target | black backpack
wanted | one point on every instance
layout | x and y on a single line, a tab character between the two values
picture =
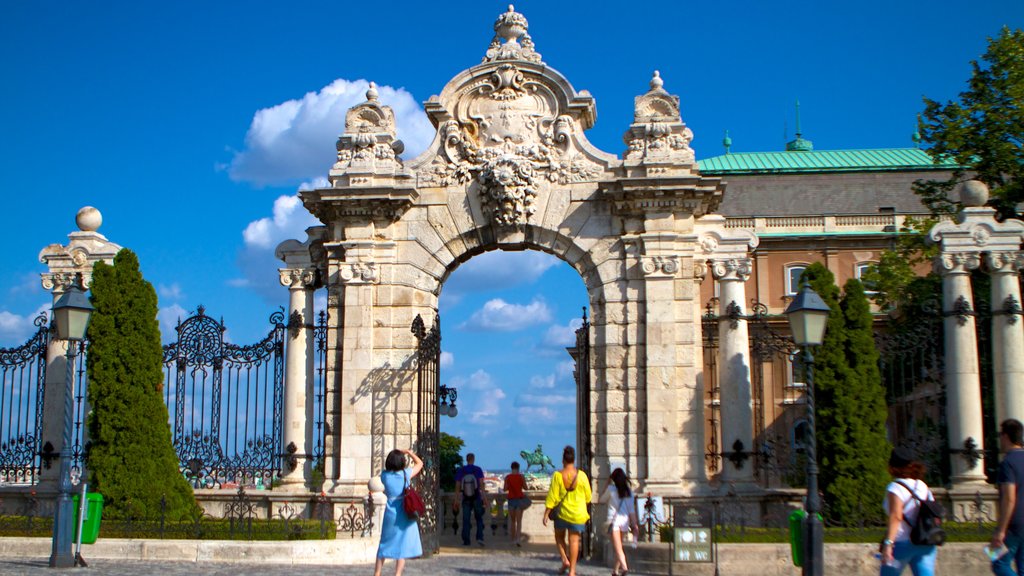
927	528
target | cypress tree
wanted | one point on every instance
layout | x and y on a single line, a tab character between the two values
861	484
831	374
130	458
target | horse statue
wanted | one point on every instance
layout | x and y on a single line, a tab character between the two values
536	458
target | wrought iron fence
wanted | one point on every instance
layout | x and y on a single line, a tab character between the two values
22	386
241	520
319	390
225	403
777	401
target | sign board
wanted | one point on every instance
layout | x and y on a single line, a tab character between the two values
693	534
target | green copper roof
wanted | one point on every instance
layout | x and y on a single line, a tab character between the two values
880	160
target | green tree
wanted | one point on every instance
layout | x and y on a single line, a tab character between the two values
983	130
865	474
130	458
450	458
849	404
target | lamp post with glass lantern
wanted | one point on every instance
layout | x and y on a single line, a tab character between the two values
71	315
808	315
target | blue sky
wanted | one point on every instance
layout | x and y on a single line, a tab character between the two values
191	125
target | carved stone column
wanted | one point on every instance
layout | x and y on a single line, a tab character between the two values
1007	334
69	265
961	376
962	242
734	369
298	445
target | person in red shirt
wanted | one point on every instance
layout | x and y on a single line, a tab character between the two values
517	502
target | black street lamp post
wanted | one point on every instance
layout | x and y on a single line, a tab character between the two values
71	314
808	315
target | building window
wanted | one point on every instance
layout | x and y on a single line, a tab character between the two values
796	380
859	272
793	278
798	436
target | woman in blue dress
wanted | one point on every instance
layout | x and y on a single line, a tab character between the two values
399	534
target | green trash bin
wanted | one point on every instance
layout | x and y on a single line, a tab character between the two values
796	535
93	513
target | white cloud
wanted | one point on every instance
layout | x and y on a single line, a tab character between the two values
256	260
498	315
562	336
542	381
295	139
172	292
564	370
524	400
533	409
447	359
533	415
15	329
290	220
168	316
483	396
496	270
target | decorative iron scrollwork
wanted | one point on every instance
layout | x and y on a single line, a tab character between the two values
48	455
970	453
291	459
1011	308
734	313
738	456
294	324
962	310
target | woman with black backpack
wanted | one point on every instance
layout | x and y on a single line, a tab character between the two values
905	539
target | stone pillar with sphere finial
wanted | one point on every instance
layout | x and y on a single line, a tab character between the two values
68	265
975	235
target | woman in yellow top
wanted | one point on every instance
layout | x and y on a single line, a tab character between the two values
570	493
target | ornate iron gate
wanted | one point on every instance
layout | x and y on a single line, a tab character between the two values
22	383
428	427
777	401
225	402
584	448
911	363
319	393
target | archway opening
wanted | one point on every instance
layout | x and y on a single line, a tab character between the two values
509	321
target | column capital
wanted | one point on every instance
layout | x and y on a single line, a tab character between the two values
359	272
1005	262
298	278
58	282
957	262
660	266
732	269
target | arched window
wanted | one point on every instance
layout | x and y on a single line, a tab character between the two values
859	272
798	436
793	272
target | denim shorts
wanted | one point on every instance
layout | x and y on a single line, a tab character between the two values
563	525
518	503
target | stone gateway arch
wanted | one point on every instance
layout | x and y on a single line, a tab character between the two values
510	168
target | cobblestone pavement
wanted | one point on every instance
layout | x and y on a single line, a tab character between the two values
483	563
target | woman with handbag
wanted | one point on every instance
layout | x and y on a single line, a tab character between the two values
902	505
399	534
621	517
566	505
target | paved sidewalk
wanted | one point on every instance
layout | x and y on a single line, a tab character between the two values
502	563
